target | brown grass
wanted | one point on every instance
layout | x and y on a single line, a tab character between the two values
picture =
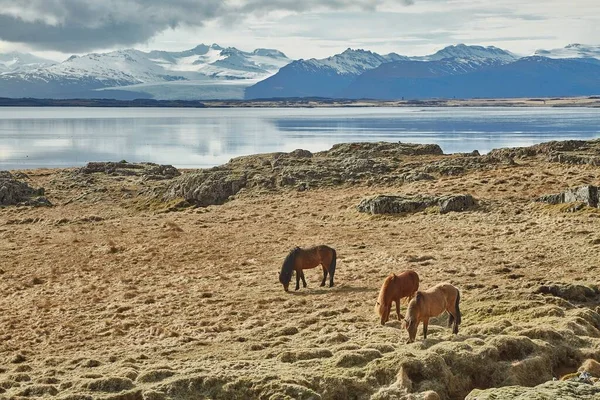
190	300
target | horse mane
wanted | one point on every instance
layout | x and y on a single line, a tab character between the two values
285	276
380	306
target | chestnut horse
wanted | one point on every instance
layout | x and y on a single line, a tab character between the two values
299	259
394	288
431	303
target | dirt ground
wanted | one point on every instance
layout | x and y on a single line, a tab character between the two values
105	295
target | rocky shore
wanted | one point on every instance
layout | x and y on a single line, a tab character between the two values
140	281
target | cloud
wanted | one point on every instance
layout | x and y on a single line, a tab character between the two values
85	25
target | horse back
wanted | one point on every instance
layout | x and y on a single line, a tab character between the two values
313	256
407	283
443	294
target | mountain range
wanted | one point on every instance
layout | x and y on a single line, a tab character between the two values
214	72
202	72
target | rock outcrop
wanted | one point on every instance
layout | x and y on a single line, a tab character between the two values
16	192
566	152
209	187
386	204
148	171
583	194
343	164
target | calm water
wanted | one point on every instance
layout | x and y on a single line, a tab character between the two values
57	137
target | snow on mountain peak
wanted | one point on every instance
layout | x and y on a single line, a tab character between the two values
269	53
573	50
351	61
16	61
471	53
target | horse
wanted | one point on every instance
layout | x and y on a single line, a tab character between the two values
394	288
300	259
431	303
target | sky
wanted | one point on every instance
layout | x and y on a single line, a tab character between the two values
300	28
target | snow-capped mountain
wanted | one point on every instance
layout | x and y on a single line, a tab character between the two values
471	54
351	62
15	61
319	78
574	50
196	73
215	72
330	77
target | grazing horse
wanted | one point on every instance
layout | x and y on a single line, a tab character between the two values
394	288
431	303
299	259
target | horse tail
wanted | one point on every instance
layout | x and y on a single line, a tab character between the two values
285	276
333	262
458	315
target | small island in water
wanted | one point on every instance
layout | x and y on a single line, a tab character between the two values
175	275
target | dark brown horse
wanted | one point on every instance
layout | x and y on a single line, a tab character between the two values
431	303
300	259
394	288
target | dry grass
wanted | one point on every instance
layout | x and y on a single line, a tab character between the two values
187	304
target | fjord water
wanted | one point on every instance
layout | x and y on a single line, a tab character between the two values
195	138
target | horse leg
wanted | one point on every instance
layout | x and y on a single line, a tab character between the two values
324	276
386	313
331	273
452	320
303	280
425	323
400	317
298	273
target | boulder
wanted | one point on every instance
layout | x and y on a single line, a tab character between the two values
387	204
207	187
300	153
459	202
583	194
16	192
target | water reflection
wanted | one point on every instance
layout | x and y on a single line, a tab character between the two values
52	137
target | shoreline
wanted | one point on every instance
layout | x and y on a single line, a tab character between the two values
588	101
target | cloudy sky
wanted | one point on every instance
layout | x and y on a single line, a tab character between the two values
300	28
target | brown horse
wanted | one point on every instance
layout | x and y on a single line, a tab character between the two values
431	303
299	259
394	288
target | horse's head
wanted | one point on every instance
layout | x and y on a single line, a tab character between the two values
411	322
285	276
411	326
